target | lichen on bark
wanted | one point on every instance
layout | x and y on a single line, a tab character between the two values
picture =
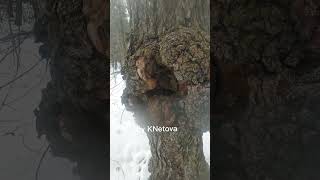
167	83
178	62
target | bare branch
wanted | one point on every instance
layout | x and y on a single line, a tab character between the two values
21	75
40	162
9	37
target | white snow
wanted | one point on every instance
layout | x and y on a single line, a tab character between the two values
206	146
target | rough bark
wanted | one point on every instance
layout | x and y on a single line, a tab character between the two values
73	111
167	83
266	110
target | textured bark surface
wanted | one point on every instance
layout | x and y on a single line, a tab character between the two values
168	82
177	97
266	109
73	111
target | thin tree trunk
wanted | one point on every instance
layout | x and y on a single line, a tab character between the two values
18	20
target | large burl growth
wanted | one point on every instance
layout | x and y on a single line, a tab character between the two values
168	85
167	74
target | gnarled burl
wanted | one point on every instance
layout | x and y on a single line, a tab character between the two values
168	85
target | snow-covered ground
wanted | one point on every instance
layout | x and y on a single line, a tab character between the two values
130	150
21	151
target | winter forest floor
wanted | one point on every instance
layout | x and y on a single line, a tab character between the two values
20	149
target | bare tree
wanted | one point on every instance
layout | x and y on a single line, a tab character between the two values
167	74
119	28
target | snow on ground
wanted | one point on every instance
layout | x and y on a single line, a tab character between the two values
206	146
20	153
130	150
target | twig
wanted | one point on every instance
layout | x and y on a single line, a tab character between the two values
26	92
116	85
9	106
122	115
27	146
18	77
6	121
11	51
4	100
116	72
40	162
12	132
124	177
14	35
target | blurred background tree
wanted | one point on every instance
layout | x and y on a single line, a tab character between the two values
119	29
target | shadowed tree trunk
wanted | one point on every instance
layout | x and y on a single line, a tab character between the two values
266	110
167	83
74	109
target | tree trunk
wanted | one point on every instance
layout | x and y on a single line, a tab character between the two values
73	110
167	83
266	110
